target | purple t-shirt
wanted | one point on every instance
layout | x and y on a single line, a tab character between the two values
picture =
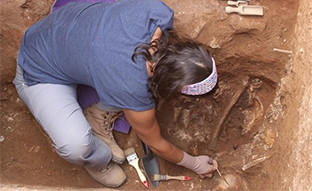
92	44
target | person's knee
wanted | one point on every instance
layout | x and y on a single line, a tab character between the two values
78	149
74	149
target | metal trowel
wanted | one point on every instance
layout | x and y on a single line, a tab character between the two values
150	164
244	9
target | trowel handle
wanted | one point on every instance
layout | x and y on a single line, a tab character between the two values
146	149
236	3
232	9
232	3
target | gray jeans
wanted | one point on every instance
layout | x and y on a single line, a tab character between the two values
56	109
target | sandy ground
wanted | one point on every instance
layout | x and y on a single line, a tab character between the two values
260	137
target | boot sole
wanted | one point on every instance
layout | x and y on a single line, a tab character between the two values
118	160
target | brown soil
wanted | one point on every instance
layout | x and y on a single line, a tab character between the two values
252	139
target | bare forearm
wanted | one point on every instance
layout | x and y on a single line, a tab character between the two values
147	128
166	150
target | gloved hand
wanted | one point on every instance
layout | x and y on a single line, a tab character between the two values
202	165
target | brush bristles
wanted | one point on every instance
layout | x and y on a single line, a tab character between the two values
157	177
129	151
130	154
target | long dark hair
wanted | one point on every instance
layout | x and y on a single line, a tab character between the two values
177	62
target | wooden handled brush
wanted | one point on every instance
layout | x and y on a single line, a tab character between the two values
157	177
133	160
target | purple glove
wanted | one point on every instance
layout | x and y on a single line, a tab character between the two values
202	165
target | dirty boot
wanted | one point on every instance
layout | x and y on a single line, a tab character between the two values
102	123
111	176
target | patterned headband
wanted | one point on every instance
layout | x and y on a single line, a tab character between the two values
204	86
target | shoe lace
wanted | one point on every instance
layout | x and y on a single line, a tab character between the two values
109	122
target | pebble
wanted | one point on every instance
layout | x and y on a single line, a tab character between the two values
301	50
1	139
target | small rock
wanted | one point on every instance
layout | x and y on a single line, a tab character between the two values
270	135
176	113
10	119
185	117
1	139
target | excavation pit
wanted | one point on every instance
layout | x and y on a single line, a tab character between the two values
262	104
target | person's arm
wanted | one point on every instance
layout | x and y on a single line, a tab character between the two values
147	128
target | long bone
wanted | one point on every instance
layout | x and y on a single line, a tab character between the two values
215	136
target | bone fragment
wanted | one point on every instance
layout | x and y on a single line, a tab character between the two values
236	96
254	162
282	51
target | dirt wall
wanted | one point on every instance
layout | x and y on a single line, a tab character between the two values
295	145
293	158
